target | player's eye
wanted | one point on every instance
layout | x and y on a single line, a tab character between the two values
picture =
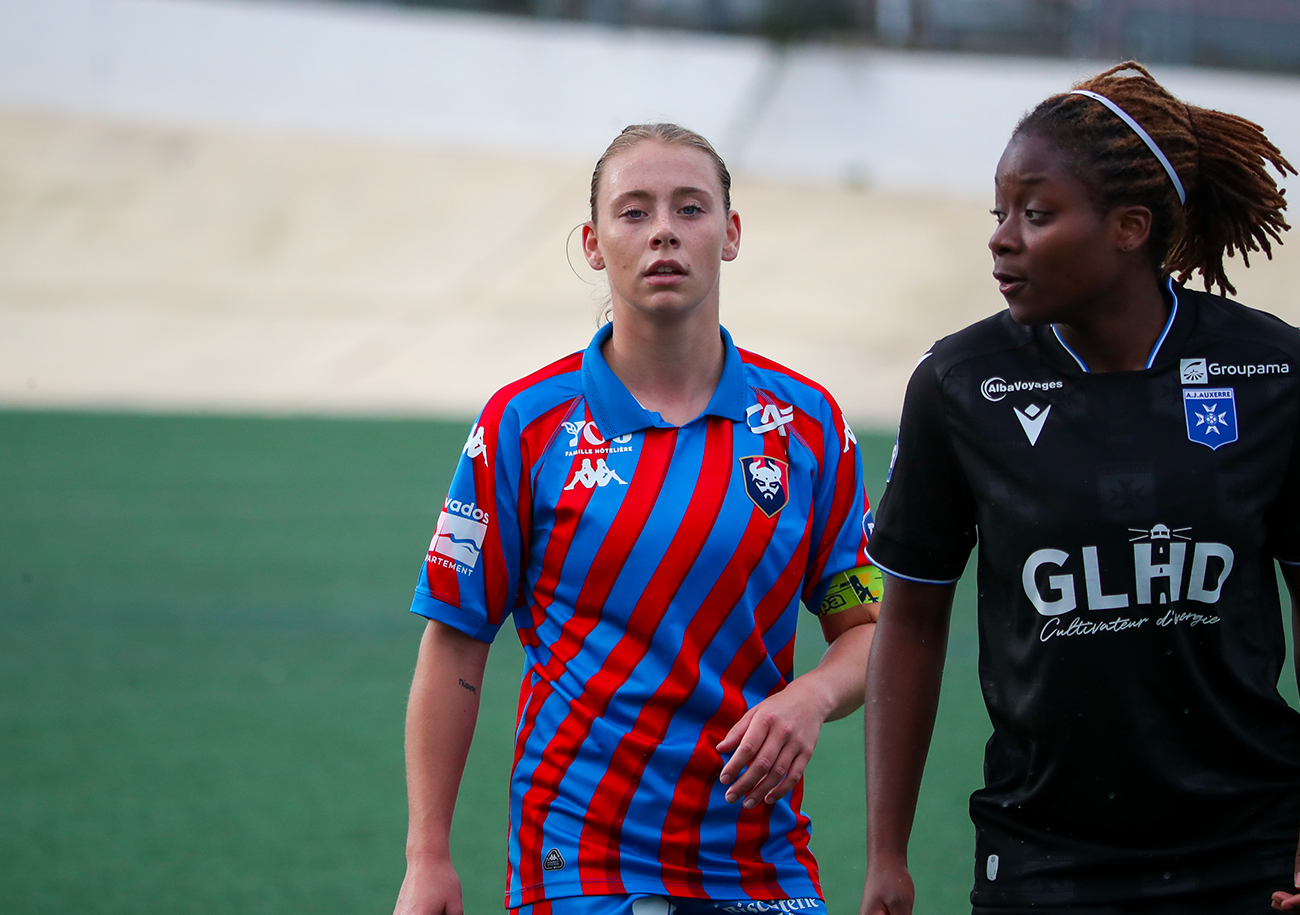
692	209
633	213
1035	215
999	215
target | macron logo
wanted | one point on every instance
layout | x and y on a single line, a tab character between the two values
1032	419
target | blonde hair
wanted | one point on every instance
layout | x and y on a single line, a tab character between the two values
673	134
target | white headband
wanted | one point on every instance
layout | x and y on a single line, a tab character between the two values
1146	138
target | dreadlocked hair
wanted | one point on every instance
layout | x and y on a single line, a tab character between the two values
1233	203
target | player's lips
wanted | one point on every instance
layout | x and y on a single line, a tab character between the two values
1008	283
665	273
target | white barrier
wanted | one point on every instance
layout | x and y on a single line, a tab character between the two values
881	118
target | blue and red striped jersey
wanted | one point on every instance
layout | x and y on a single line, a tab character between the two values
654	573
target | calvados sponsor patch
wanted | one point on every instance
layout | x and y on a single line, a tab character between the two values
1211	416
459	539
767	482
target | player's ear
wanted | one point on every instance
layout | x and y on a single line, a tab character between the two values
1132	227
591	246
731	247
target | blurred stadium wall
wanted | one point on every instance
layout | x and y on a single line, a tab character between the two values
353	208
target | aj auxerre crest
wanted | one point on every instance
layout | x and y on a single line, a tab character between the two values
1211	416
767	482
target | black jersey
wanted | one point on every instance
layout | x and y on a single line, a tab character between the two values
1130	630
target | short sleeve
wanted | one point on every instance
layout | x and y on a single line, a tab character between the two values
473	566
841	512
925	527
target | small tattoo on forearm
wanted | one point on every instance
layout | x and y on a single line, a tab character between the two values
469	686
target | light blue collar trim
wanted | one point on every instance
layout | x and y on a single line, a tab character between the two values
1173	313
1155	350
1083	365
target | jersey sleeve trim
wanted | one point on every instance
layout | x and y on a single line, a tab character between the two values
924	581
471	624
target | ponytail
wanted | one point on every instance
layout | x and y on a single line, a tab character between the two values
1233	203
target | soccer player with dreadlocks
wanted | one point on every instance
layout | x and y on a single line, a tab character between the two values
1125	451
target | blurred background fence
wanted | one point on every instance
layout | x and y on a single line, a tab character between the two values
341	207
1253	34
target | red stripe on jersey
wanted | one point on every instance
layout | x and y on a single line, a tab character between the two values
763	362
798	837
679	847
525	692
639	500
809	430
539	908
783	660
598	850
535	441
489	421
838	516
757	877
569	508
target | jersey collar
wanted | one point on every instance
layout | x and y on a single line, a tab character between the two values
617	412
1176	331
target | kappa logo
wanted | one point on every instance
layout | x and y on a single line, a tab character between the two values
767	482
459	539
553	861
1211	417
474	445
764	417
1032	419
849	438
601	475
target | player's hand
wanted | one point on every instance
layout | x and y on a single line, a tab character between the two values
1286	900
430	887
888	891
772	743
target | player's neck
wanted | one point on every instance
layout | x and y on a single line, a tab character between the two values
670	368
1118	335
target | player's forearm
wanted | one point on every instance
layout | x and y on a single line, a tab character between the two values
440	718
902	694
1291	575
839	678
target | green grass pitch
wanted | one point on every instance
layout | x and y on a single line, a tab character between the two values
204	663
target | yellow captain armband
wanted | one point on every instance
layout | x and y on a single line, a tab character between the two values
854	588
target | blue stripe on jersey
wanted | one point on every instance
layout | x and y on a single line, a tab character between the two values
624	685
